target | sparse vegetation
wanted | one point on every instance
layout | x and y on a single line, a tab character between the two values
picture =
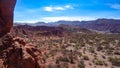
78	50
114	60
99	62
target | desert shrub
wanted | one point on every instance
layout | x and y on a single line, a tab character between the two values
105	64
110	58
71	58
82	44
63	59
118	43
99	62
105	42
103	56
49	66
91	49
64	65
56	66
53	66
90	64
81	64
73	66
90	42
114	60
57	61
85	57
117	53
52	52
109	52
73	41
77	47
99	48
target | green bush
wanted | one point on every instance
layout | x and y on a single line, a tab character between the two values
85	57
91	49
99	62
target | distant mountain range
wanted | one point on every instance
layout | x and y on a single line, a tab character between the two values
105	25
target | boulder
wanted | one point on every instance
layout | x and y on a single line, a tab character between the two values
15	53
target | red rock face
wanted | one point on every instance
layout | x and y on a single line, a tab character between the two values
15	53
6	15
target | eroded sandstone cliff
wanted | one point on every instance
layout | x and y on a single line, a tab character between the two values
14	52
6	15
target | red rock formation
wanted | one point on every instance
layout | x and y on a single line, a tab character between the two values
15	53
6	15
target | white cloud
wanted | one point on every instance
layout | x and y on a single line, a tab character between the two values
77	18
68	6
115	6
26	21
48	8
57	8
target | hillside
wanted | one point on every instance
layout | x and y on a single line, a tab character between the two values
105	25
73	47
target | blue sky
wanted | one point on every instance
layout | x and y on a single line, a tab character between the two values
53	10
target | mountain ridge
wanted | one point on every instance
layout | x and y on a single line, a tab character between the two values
105	25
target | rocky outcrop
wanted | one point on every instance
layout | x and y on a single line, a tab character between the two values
6	15
15	53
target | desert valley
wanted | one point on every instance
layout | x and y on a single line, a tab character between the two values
59	34
70	46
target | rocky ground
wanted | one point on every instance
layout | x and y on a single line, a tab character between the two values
76	49
82	51
16	53
55	47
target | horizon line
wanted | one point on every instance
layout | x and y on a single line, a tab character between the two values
63	20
